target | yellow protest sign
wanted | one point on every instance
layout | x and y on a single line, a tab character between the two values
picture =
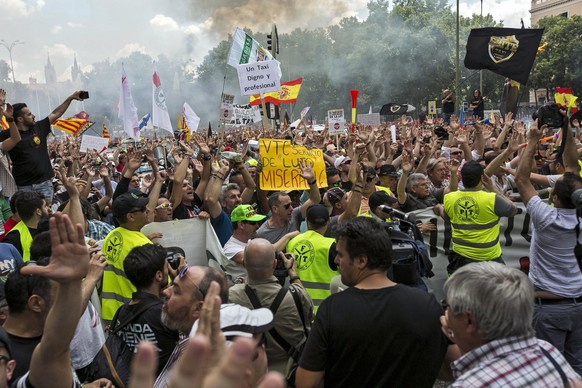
280	160
432	109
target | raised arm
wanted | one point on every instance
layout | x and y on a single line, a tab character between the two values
14	138
211	197
314	195
403	181
522	176
61	109
50	365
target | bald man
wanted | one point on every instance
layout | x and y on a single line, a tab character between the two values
260	261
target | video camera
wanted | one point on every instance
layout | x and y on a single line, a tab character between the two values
549	115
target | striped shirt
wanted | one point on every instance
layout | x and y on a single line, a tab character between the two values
511	362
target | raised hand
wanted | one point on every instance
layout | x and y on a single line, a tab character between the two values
306	170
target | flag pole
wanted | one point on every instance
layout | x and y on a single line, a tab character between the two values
263	107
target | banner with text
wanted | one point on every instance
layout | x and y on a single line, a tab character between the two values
226	106
372	119
93	143
280	160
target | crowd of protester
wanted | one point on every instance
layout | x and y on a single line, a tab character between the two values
308	294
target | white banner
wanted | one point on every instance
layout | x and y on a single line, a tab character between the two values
89	142
259	77
245	114
203	250
514	237
190	117
127	109
369	119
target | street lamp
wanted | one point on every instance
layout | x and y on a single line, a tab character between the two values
9	47
481	71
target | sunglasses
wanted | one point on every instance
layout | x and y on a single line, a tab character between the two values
182	275
370	178
287	206
252	222
456	153
164	206
539	157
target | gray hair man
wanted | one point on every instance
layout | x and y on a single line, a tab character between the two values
489	314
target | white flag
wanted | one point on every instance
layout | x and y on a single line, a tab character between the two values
304	112
245	49
160	115
192	120
127	109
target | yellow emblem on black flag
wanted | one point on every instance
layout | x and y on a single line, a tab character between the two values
502	48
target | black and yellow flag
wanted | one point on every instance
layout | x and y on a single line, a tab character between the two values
506	51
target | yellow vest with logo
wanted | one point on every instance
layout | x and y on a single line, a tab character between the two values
117	289
311	251
25	239
475	224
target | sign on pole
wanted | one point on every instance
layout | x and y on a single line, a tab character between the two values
226	107
336	120
260	77
432	109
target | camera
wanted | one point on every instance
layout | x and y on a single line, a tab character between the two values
549	115
280	270
83	95
173	256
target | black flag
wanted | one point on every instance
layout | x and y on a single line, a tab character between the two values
209	130
506	51
393	109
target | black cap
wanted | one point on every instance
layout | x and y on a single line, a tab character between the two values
5	341
370	171
317	215
387	170
380	198
335	194
126	202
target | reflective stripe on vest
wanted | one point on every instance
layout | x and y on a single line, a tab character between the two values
25	239
311	251
117	289
475	224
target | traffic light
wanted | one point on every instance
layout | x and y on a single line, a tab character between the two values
273	41
270	42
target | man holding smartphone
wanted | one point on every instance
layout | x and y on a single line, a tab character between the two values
31	166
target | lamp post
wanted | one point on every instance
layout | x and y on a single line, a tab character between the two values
481	71
9	47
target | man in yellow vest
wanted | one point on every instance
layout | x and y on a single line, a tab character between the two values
131	211
315	255
31	207
474	216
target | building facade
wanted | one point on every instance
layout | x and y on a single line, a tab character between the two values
543	8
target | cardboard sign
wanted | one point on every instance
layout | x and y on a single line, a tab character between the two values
369	119
260	77
281	170
226	106
93	143
336	121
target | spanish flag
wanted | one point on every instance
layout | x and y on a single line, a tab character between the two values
565	99
287	95
105	132
4	123
72	126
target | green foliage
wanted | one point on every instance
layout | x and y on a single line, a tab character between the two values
560	63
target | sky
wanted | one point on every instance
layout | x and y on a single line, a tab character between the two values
95	30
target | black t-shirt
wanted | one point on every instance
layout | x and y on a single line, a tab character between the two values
389	337
183	212
30	159
449	106
22	349
148	326
13	237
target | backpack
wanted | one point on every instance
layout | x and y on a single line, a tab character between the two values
114	359
293	352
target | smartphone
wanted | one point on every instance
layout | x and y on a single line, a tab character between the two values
84	95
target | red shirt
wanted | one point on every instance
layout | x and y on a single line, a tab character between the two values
8	225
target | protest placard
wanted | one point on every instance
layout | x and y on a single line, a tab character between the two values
336	120
260	77
280	160
93	143
226	106
372	119
432	109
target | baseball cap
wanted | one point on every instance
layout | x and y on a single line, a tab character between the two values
379	198
341	160
387	170
317	215
335	194
5	341
126	202
371	171
251	162
245	213
240	321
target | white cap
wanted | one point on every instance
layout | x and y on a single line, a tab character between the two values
239	321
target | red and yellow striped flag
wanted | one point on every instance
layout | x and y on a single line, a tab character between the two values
287	95
566	99
105	132
72	126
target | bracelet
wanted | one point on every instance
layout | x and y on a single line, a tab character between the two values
217	176
293	278
312	182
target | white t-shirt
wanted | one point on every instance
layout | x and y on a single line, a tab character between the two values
231	248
